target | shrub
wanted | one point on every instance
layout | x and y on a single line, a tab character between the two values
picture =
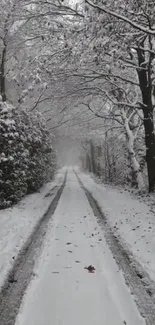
27	159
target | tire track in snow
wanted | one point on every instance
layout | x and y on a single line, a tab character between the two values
124	260
20	275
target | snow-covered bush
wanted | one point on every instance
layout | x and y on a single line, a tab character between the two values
27	159
42	162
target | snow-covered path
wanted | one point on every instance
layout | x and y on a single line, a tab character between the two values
63	292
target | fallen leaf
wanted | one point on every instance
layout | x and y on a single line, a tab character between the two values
90	268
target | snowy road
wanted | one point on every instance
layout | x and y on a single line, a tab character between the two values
63	292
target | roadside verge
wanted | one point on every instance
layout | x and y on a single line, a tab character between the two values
17	223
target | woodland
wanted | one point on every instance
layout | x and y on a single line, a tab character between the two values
77	86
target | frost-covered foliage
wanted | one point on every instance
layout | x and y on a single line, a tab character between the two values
108	160
107	156
27	159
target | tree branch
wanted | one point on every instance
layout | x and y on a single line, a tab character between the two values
123	18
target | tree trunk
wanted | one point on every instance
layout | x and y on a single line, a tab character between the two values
88	163
150	147
98	168
2	75
136	173
92	153
145	83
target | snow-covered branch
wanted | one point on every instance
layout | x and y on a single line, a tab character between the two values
123	18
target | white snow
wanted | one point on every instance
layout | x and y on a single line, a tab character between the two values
130	218
62	291
17	223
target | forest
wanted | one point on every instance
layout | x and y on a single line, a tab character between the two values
77	86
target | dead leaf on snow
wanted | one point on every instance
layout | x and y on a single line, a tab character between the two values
90	268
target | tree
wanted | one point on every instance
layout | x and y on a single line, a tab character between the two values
120	54
138	42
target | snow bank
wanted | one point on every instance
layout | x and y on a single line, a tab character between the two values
17	223
130	218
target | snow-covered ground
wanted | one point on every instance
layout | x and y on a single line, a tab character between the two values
130	218
63	291
17	223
